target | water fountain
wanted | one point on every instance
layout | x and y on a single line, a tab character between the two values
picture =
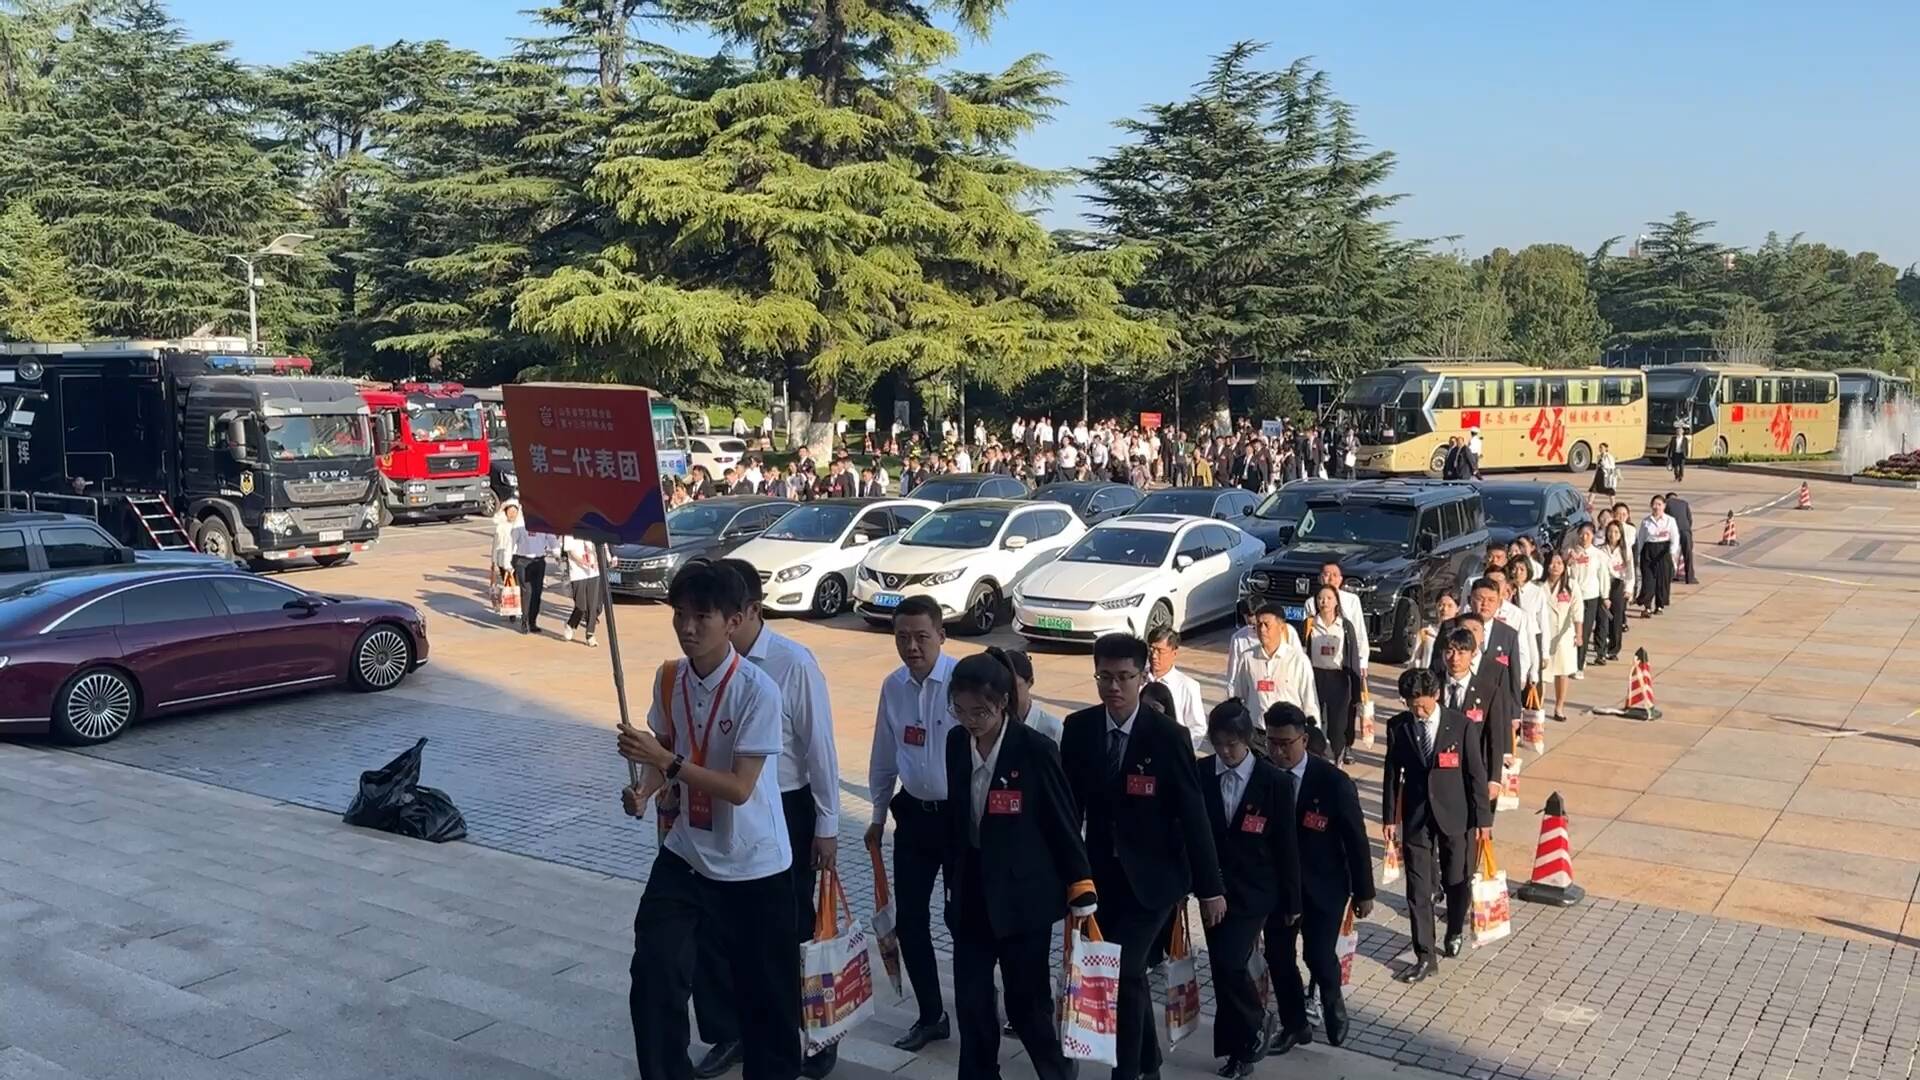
1889	450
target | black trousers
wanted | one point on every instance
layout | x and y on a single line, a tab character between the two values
919	849
1590	623
715	1009
586	604
752	921
1136	929
1656	570
1679	466
1686	556
1617	620
533	581
1336	708
1025	964
1236	1025
1316	935
1422	874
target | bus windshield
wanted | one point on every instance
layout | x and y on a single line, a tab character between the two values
1857	386
1372	391
1676	395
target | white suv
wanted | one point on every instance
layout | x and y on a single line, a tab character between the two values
717	453
968	555
806	559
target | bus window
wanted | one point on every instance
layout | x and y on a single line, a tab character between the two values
1740	391
1479	393
1449	395
1524	393
1557	390
1583	391
1617	390
1827	390
1765	386
1806	391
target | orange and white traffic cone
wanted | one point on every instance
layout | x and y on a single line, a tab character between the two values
1729	536
1553	861
1640	704
1806	497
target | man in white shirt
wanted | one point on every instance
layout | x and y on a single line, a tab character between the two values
962	461
1276	671
1350	610
753	476
909	748
721	878
979	433
809	772
1044	431
530	551
739	426
1069	456
1080	433
1163	653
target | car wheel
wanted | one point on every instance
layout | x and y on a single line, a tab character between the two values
1579	457
331	560
830	597
1160	616
94	706
1399	645
213	537
381	658
489	503
1720	447
1799	445
1437	464
983	610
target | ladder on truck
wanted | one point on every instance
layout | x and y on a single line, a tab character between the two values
158	522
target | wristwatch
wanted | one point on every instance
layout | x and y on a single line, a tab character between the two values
673	770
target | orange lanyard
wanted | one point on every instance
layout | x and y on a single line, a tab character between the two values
699	745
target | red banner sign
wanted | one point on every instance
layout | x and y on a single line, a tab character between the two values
585	457
1150	420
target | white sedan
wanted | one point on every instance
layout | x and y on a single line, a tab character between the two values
969	555
1135	573
806	559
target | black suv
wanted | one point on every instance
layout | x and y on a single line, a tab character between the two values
1546	510
1400	544
946	487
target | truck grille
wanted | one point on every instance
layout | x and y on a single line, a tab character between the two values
327	491
320	519
449	464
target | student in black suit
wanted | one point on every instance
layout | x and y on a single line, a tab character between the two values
1682	516
1502	663
1436	777
1250	805
1492	713
1336	868
1014	853
1131	769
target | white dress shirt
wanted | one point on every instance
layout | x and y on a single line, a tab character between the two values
1245	642
1189	709
919	762
1233	783
1659	530
1327	644
807	754
1591	571
983	772
749	841
1044	722
1350	610
1524	629
1285	676
1457	689
1299	773
532	545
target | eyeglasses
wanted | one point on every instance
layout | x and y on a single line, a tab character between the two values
1286	740
972	716
1115	678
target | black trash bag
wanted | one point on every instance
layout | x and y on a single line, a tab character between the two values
392	799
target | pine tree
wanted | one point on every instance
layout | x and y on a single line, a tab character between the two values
1673	293
142	163
836	213
38	301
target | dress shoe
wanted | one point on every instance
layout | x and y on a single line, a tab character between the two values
922	1033
1285	1040
819	1065
1234	1068
1422	969
719	1059
1454	943
1269	1024
1337	1023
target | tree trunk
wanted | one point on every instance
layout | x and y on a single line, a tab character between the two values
811	403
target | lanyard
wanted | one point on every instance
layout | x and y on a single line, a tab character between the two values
699	744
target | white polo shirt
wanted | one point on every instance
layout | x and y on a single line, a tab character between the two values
745	842
1264	681
807	754
910	737
1188	707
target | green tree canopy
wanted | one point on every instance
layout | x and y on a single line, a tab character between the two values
38	300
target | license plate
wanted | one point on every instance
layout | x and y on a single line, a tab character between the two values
886	599
613	577
453	496
1294	614
332	536
1053	622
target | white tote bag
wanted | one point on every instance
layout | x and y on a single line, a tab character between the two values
836	972
1090	1008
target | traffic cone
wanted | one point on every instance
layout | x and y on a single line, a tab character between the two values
1640	704
1806	497
1729	536
1553	861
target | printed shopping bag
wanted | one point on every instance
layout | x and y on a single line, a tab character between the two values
1533	722
1347	946
1090	1008
1366	718
1257	968
836	974
1510	785
883	922
1183	984
506	596
1492	915
1390	860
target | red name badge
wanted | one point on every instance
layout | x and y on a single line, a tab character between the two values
1315	820
1253	823
916	736
699	809
1139	784
1449	759
1265	686
1476	715
1003	802
1326	650
1505	660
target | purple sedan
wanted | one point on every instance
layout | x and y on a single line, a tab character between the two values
84	655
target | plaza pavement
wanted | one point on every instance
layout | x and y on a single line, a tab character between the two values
1751	856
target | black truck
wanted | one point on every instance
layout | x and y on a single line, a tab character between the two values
171	444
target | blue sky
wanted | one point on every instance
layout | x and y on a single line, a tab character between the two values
1513	122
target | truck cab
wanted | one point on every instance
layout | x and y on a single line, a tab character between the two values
247	457
433	451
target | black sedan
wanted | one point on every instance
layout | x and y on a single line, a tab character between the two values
1547	510
1274	521
708	529
1091	501
1226	504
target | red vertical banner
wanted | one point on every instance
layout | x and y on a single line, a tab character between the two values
585	456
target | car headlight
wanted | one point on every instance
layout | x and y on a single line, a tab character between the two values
867	574
658	562
416	488
371	514
1359	585
512	479
793	573
1258	581
943	577
277	521
1123	602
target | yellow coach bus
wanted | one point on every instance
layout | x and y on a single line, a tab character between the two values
1527	417
1736	409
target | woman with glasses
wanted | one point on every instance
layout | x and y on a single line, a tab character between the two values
1016	865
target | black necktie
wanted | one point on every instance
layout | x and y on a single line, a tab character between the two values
1453	697
1116	749
1426	741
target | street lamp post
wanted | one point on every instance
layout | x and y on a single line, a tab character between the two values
284	244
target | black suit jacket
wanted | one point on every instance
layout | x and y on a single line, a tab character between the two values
1258	851
1030	849
1501	661
1451	800
1682	516
1336	863
1491	712
1150	834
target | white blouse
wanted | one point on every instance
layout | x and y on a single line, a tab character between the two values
1326	649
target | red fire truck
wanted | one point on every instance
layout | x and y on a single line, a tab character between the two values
433	451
